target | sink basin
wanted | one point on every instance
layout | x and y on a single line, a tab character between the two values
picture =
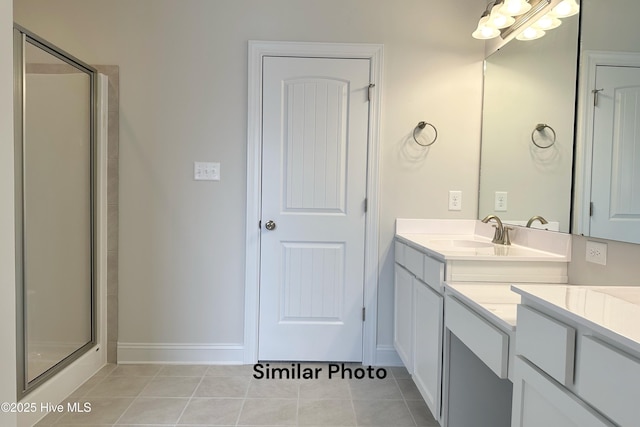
455	243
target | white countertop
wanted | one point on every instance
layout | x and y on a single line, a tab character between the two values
471	240
495	301
613	311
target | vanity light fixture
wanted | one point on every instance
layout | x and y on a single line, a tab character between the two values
485	31
530	33
566	8
515	7
506	17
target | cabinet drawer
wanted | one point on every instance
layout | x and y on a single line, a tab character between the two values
485	340
433	273
546	343
399	252
609	380
414	262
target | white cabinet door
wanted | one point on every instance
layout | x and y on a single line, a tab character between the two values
539	401
427	370
403	316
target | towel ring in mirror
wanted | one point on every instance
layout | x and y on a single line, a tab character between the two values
421	126
540	129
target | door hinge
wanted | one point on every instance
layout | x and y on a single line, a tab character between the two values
590	208
366	205
371	86
363	310
595	96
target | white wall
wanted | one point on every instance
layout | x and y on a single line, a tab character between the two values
7	223
183	92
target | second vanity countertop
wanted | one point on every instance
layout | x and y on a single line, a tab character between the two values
613	311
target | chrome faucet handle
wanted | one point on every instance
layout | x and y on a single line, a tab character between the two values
506	240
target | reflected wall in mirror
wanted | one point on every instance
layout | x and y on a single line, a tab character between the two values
54	166
607	196
527	84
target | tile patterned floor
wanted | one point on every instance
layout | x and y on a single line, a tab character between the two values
187	395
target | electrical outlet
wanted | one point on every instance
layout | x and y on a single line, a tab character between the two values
500	201
596	252
206	171
455	200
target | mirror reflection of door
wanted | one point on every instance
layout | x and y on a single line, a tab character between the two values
615	173
57	211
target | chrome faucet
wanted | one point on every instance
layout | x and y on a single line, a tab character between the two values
498	235
536	218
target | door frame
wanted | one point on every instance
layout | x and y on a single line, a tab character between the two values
584	130
258	50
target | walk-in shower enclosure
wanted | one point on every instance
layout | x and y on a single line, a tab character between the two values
55	155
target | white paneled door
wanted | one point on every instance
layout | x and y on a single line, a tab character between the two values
314	144
615	179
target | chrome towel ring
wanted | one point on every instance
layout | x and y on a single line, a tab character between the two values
540	127
421	126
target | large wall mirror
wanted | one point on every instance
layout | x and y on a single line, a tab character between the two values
528	129
607	194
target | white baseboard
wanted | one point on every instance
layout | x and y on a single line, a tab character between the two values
386	355
171	353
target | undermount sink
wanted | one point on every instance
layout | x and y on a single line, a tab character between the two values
456	243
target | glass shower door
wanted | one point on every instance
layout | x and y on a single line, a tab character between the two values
57	221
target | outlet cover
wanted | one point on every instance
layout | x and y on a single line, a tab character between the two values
500	201
596	252
455	200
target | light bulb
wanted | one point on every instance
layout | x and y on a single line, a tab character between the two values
485	31
530	33
515	7
547	22
498	19
566	8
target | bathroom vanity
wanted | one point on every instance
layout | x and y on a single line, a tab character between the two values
577	356
434	312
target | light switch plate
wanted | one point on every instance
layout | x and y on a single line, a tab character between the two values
206	171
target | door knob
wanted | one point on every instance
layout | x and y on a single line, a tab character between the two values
270	225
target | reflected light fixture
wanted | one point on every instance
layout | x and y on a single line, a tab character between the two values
566	8
547	22
485	31
514	7
530	33
504	17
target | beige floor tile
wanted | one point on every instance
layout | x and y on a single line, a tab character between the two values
399	372
326	412
137	370
421	414
223	387
269	412
183	370
119	387
230	371
374	389
325	389
274	388
408	389
154	410
383	413
170	387
211	411
104	410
